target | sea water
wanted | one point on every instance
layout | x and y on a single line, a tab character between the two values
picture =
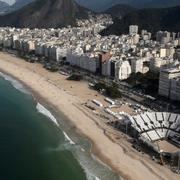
34	145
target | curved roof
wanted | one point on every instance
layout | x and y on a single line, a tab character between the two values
157	125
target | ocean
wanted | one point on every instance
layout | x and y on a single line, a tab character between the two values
34	145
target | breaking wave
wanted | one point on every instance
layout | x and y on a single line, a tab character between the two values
16	84
41	109
67	138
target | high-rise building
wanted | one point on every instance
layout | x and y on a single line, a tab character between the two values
137	65
159	36
178	35
136	39
173	36
133	29
104	58
162	52
177	54
169	83
163	37
123	70
175	89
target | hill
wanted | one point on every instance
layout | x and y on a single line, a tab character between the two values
152	20
120	10
45	14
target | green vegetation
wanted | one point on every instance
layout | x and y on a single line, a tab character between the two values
111	91
45	14
75	77
152	20
51	67
120	10
149	82
99	86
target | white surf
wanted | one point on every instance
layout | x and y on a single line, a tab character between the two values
41	109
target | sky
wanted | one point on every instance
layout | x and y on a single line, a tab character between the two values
9	1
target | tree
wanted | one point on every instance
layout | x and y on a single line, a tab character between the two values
75	77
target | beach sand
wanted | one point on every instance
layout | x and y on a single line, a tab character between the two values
67	97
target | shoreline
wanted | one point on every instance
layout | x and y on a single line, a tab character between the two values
58	113
61	101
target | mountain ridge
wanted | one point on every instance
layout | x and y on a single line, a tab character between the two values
153	20
119	10
45	14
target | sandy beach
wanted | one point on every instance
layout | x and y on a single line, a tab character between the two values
67	97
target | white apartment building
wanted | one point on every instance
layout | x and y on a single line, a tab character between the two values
27	45
84	61
169	82
137	65
39	48
133	29
116	68
7	42
163	37
162	52
123	70
166	52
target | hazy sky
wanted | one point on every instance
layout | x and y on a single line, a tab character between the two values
9	1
